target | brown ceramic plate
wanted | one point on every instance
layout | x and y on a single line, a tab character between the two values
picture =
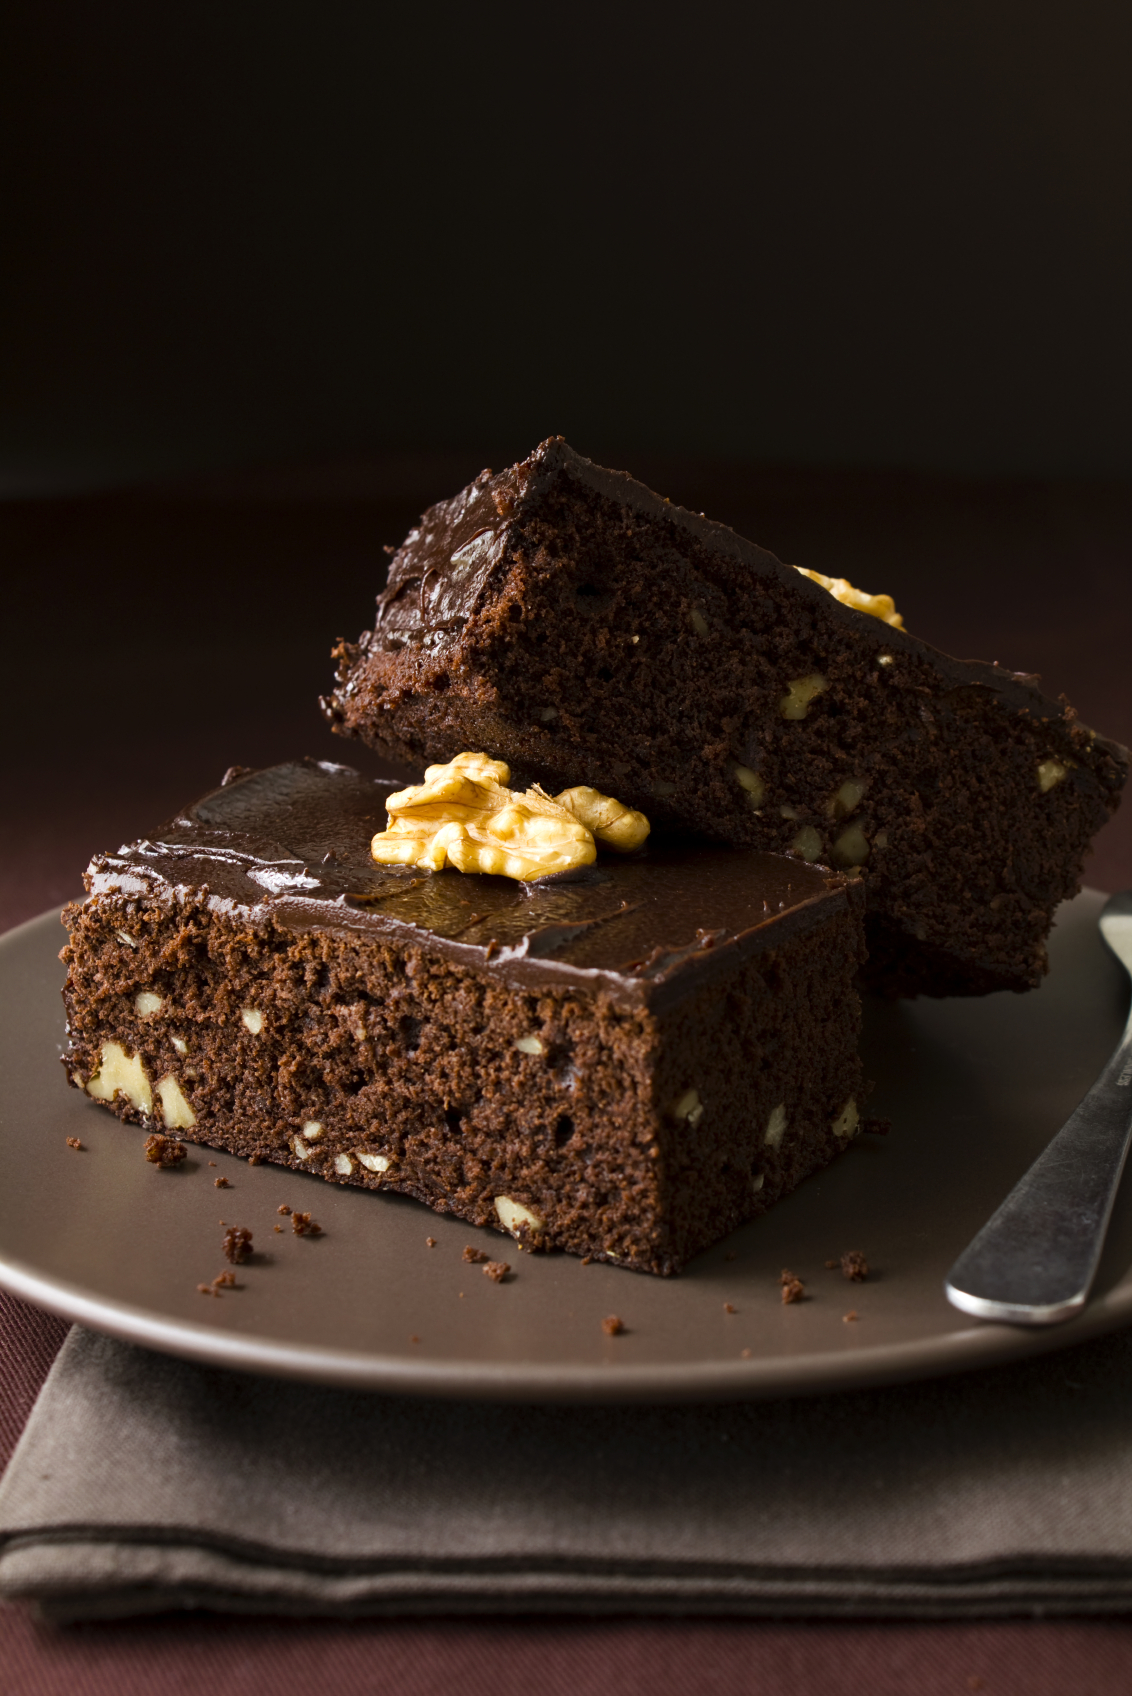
974	1090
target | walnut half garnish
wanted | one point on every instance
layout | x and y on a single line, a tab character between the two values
610	821
462	815
877	606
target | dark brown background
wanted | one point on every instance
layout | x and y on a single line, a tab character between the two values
876	234
379	247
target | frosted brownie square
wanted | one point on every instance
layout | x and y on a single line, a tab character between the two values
626	1066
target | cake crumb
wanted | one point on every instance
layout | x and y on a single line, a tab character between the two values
497	1270
224	1281
276	1227
430	1242
237	1244
832	1265
793	1288
848	1318
744	1354
207	1290
73	1142
474	1256
212	1163
727	1308
164	1151
283	1209
612	1326
587	1260
414	1339
255	1159
855	1266
304	1226
222	1183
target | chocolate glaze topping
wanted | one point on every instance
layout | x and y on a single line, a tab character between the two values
291	844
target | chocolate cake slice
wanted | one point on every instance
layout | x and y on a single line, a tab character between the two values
572	623
627	1066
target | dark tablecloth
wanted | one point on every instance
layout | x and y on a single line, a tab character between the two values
159	637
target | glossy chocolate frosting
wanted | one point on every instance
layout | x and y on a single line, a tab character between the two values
291	844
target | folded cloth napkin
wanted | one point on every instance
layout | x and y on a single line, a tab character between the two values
143	1482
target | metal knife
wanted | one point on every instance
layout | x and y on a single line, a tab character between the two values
1034	1261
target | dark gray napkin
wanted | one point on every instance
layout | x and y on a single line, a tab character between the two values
143	1482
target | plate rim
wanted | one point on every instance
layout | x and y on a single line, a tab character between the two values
967	1350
